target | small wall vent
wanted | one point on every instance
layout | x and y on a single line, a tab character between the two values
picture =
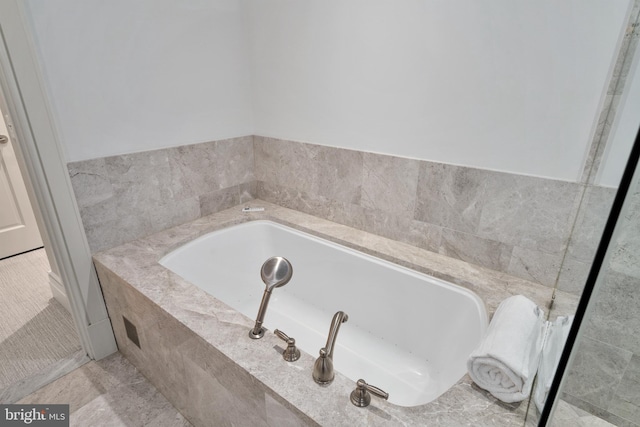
132	332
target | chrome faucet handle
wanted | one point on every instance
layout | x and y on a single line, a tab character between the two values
291	353
361	396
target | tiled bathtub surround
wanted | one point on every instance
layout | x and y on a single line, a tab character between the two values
125	197
511	223
197	352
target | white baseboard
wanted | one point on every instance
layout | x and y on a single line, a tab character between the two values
57	289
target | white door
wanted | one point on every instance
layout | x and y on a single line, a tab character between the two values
18	228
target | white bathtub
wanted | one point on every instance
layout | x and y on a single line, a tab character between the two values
407	333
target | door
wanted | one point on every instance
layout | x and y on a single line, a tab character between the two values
18	229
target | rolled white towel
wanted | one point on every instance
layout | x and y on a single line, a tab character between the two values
506	361
557	333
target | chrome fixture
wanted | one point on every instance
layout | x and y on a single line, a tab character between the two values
275	272
291	353
323	369
361	396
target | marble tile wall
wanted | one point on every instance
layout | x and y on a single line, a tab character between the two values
125	197
516	224
206	387
604	378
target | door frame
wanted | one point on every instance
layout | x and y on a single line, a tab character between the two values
36	143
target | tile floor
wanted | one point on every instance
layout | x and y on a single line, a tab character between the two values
567	415
109	392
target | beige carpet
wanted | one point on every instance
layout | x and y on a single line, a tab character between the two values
35	330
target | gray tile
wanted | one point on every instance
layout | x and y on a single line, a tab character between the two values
476	250
423	235
374	221
295	199
141	178
283	163
279	415
248	191
99	213
626	401
339	174
109	392
204	168
537	266
590	222
379	222
125	197
389	184
169	213
141	202
529	212
450	196
614	317
90	182
596	371
124	224
226	198
625	410
626	254
564	411
590	415
573	276
629	388
209	373
112	232
26	386
329	172
565	423
132	404
234	161
192	168
168	339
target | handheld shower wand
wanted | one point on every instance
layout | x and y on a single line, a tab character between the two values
275	272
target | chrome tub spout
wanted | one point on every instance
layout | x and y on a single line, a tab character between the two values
323	372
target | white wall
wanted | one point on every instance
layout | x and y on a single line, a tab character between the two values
128	76
624	129
499	84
